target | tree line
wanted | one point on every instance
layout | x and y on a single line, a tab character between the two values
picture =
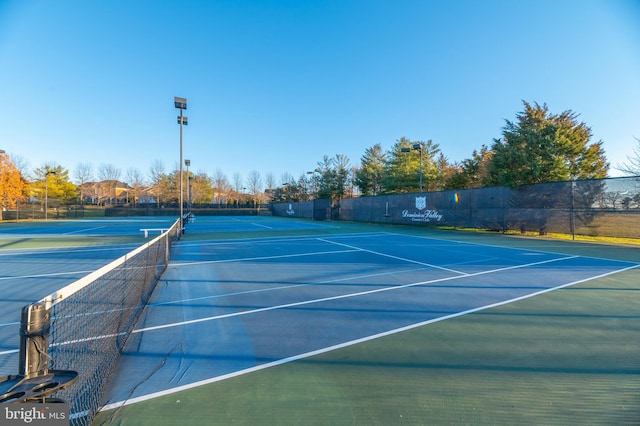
538	146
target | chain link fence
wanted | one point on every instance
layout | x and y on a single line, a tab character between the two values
602	207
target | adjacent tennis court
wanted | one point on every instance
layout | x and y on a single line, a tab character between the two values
274	321
38	258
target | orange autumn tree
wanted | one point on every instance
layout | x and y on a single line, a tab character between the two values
12	184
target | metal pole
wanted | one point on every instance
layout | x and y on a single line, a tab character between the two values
188	163
181	184
46	194
421	168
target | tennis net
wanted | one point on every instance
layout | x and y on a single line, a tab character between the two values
92	318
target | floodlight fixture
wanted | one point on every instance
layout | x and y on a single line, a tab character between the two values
180	103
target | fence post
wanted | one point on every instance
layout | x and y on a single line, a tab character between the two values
572	223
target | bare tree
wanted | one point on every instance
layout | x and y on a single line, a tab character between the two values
632	166
221	187
134	177
108	172
84	174
108	175
156	175
136	181
270	181
255	186
286	178
237	184
21	163
156	171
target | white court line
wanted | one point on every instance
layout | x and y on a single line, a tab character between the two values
284	287
391	256
55	274
262	226
58	250
353	342
83	230
269	240
529	251
345	296
242	259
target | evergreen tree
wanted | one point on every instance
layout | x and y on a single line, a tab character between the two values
472	172
544	147
335	176
402	172
52	181
369	176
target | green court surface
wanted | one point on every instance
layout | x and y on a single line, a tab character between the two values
567	356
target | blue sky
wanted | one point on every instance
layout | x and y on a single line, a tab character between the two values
273	86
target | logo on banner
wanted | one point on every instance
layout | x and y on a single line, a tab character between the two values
422	215
290	211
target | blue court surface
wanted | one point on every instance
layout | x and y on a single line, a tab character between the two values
81	227
245	293
29	274
229	307
62	251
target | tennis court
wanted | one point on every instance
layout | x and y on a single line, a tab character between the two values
272	321
230	308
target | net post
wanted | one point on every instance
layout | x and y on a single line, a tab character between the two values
34	339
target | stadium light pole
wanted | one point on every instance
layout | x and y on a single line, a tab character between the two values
417	147
46	192
188	163
181	104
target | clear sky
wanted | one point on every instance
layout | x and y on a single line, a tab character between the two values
274	85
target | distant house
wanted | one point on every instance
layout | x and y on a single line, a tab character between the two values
107	192
113	192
